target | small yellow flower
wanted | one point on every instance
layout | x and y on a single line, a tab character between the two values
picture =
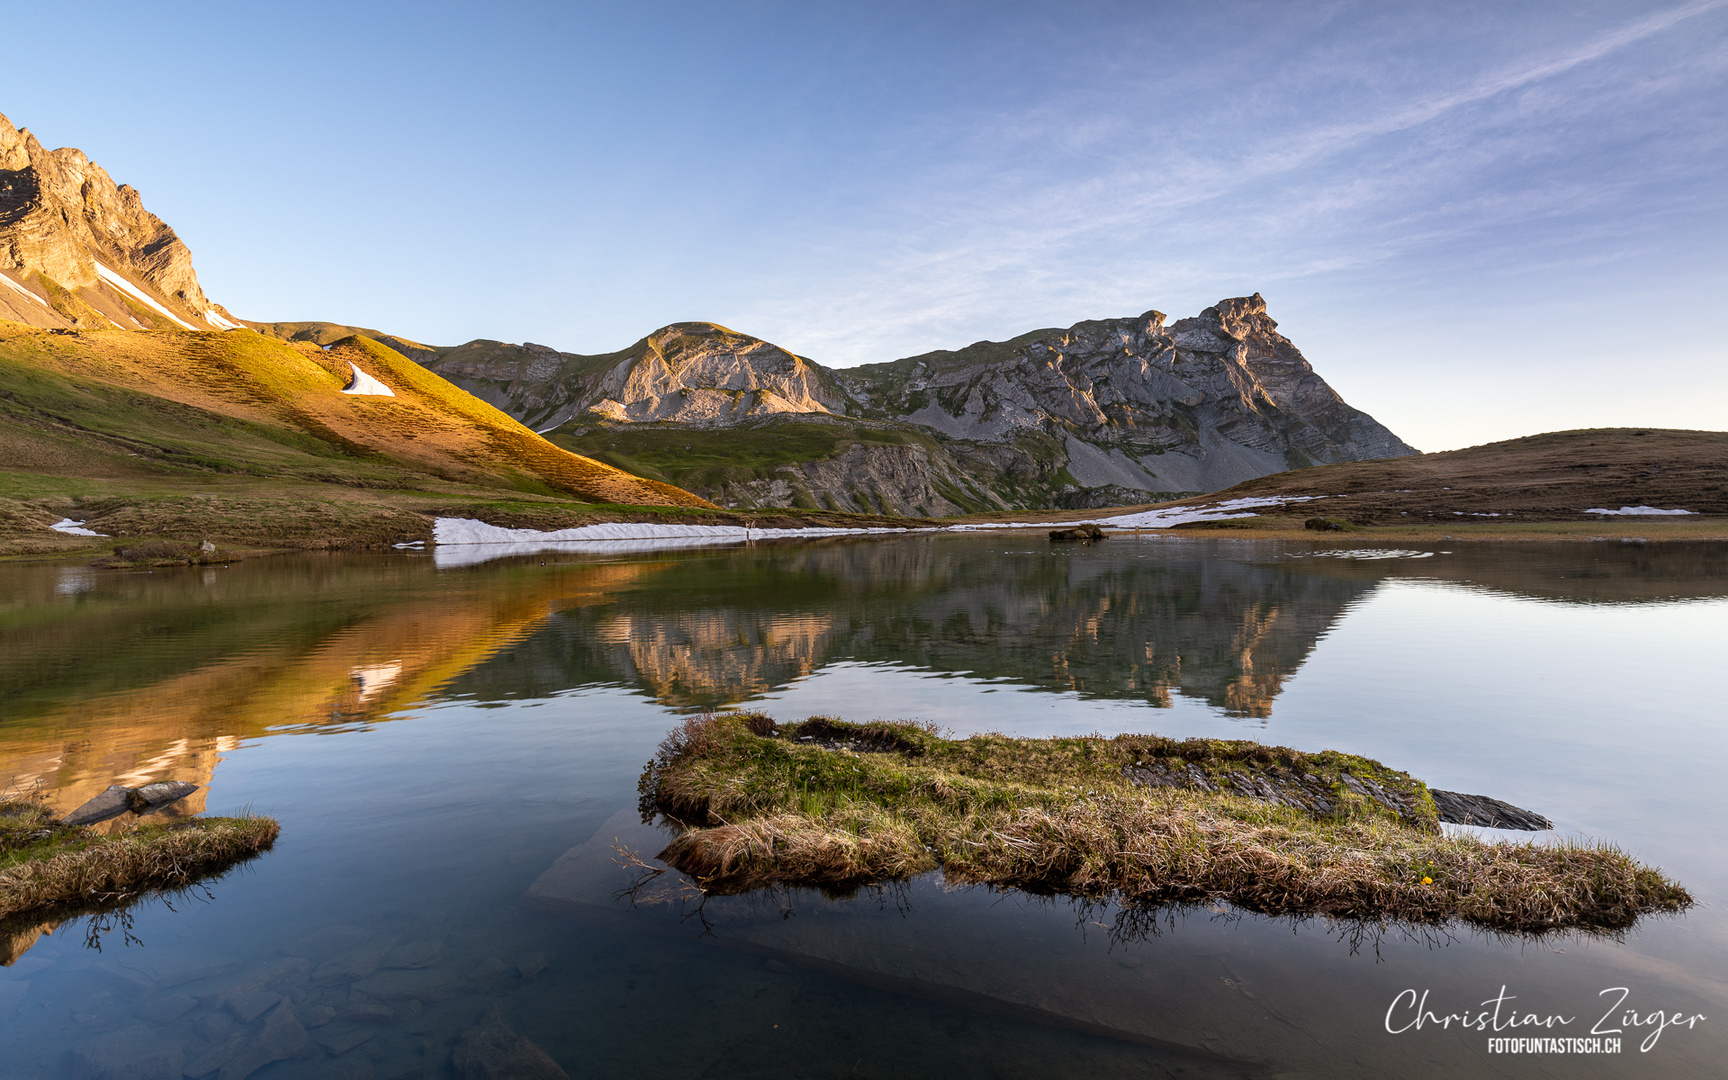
1427	881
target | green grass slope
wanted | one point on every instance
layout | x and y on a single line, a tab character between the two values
250	439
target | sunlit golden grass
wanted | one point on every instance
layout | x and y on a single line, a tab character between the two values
273	408
837	806
45	867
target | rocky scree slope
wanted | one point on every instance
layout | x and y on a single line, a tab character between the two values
1101	413
78	251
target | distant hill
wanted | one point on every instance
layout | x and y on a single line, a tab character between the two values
1554	476
1101	413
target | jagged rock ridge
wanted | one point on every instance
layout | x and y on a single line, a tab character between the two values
79	251
1101	413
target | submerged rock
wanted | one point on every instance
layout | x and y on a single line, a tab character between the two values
491	1051
1480	810
134	1053
281	1037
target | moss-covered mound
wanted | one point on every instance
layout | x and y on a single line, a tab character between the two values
1136	819
58	870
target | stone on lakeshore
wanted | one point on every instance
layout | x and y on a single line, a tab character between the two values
132	1053
1086	532
491	1051
281	1037
163	792
1480	810
110	804
414	954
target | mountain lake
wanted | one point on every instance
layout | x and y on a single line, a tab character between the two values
453	756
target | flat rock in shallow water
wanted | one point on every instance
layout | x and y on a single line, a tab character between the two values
491	1051
134	1053
414	954
425	985
329	942
280	1037
1459	809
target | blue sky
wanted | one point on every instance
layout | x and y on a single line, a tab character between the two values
1478	221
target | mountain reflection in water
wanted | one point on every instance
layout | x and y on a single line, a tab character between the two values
111	677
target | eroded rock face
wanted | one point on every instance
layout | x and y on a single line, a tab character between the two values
75	245
1105	412
1200	405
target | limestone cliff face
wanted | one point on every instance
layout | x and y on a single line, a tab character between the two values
1197	406
1105	412
79	250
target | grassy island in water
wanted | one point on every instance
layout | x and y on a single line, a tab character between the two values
50	870
1136	819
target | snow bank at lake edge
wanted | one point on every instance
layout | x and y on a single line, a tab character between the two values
465	541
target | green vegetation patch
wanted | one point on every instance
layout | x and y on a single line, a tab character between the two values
53	870
1136	819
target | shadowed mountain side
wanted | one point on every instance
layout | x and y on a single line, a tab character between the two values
106	404
152	679
1228	633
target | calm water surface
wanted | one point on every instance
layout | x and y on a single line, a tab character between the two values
437	742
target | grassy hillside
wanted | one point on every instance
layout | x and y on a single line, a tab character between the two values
242	437
1554	477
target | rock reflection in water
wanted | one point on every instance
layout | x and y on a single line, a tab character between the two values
1138	622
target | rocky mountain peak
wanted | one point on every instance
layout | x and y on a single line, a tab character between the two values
1241	317
79	250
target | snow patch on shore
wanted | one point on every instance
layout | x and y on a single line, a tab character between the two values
73	528
465	541
1638	511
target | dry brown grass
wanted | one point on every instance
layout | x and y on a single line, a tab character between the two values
1059	816
46	868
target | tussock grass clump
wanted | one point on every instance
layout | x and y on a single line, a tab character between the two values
53	868
837	806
